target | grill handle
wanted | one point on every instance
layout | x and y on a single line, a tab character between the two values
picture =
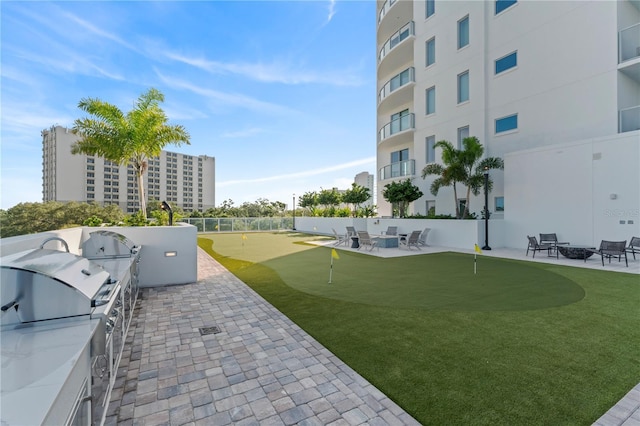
66	246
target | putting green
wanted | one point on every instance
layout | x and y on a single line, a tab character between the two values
443	281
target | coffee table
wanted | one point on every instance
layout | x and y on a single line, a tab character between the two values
576	252
386	241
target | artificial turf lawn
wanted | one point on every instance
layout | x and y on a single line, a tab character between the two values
507	354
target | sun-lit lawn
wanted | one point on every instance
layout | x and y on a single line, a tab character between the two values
518	343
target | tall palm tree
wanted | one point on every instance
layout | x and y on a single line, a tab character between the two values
474	167
449	173
130	138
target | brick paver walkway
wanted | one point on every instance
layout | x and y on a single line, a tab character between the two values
260	369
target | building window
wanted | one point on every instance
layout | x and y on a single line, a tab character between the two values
499	203
431	100
431	7
90	181
431	149
463	87
431	51
463	132
504	4
463	32
90	167
431	207
398	156
507	62
505	124
90	188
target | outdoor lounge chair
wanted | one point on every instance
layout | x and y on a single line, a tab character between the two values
391	230
551	239
634	246
535	246
351	232
611	249
423	237
412	240
365	240
340	239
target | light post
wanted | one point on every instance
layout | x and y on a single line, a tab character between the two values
486	209
294	211
165	206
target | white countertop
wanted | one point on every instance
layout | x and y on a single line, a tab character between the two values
37	359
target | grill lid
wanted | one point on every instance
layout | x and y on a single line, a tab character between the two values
104	243
45	284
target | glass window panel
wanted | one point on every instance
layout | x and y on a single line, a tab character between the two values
431	7
431	51
463	32
506	62
431	100
507	123
463	132
504	4
499	204
463	87
431	149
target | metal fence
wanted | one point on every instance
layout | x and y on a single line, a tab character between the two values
239	224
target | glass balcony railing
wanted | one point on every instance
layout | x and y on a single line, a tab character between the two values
385	8
629	119
397	38
406	122
399	169
629	43
405	77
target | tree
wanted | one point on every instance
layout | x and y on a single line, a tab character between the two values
309	200
449	173
401	193
356	195
462	166
474	168
129	138
329	198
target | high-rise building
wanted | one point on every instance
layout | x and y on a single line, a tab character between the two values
366	180
518	75
184	180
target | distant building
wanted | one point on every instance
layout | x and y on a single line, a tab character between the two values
366	179
185	180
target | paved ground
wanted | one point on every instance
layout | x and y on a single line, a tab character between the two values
260	369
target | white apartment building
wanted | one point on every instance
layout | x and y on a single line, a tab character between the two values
185	180
366	180
536	80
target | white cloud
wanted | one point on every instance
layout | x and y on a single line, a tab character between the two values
332	10
361	162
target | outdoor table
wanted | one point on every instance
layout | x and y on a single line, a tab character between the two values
355	242
386	241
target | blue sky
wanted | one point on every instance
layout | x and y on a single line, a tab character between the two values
281	93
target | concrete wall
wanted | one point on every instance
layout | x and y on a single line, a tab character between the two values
156	269
585	192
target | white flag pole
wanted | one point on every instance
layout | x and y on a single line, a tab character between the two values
331	270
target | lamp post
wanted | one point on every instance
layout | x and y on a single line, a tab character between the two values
486	209
167	207
294	211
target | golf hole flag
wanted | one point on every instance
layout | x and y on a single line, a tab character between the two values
475	258
334	255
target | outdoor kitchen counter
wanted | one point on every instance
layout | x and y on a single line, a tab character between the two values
43	369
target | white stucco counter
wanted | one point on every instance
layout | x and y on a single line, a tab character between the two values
45	367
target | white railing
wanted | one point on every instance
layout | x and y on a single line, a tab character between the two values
399	169
629	43
406	122
385	8
402	79
397	37
629	119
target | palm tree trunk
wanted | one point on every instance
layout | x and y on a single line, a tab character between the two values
143	203
455	200
466	206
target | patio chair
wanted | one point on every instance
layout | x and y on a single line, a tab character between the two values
423	237
413	240
609	249
634	246
351	232
391	230
340	239
551	239
365	240
535	246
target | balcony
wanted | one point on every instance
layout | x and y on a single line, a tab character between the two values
629	43
399	169
408	30
399	126
629	119
399	81
392	13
